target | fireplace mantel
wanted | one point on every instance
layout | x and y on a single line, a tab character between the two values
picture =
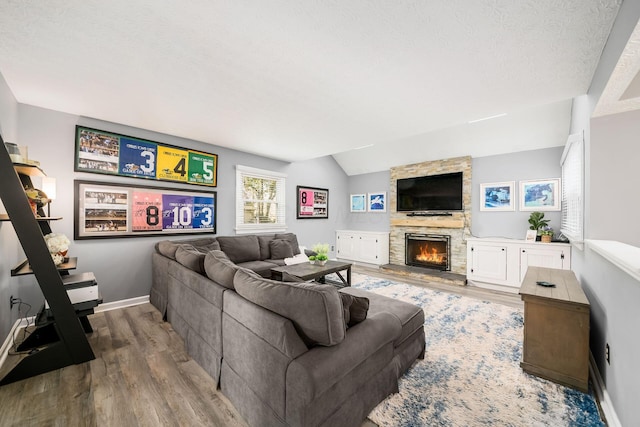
431	222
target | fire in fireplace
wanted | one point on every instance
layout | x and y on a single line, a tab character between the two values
428	250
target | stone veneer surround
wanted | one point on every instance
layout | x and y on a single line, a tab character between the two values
457	226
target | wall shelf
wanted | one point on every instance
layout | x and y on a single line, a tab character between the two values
24	267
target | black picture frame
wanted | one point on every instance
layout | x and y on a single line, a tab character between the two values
111	153
312	202
104	210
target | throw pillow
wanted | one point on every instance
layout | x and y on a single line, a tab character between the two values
191	258
167	248
280	249
263	242
315	310
355	309
292	239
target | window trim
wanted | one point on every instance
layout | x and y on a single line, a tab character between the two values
573	164
280	225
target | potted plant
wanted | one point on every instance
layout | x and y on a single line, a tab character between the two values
321	250
321	259
546	235
312	259
537	222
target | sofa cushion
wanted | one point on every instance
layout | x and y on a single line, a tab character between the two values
220	269
280	249
240	248
167	248
355	308
207	246
293	241
263	242
190	257
314	309
263	268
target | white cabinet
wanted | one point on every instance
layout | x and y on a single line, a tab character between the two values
489	262
371	247
502	263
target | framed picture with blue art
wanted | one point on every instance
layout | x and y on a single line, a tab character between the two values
358	203
540	195
497	196
377	201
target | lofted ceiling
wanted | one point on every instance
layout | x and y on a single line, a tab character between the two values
299	79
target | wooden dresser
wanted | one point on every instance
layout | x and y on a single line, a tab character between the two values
556	327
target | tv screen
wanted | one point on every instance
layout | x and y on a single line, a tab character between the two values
430	193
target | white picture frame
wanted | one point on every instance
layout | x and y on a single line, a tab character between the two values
358	202
540	195
531	235
377	202
498	196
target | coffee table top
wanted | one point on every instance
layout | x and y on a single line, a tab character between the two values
308	271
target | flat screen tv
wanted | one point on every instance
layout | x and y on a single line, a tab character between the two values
430	193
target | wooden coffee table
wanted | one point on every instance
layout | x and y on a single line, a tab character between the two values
308	271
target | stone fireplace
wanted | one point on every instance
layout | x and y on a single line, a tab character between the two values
455	225
428	251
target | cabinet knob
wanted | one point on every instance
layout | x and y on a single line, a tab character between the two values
523	251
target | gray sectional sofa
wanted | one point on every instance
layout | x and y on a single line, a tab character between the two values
284	353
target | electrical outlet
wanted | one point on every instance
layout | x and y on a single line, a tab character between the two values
333	248
607	353
11	302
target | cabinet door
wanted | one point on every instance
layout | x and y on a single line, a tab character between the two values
541	257
488	262
345	245
369	248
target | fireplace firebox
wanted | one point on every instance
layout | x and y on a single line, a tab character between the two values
428	251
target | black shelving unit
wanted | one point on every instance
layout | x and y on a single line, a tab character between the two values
69	345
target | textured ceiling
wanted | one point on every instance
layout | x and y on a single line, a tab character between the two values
295	80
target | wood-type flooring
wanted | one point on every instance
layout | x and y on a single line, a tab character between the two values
142	376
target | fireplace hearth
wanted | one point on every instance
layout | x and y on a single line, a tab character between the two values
428	251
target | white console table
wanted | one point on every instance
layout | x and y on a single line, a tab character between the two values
370	247
501	264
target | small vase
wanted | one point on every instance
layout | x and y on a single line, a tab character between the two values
323	262
546	238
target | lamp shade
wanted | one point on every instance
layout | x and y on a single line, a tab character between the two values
49	187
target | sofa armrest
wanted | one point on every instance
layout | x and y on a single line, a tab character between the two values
366	350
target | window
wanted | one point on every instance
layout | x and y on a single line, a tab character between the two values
260	200
572	223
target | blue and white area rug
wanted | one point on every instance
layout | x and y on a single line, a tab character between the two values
471	373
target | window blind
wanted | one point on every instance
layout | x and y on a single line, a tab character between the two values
242	225
572	221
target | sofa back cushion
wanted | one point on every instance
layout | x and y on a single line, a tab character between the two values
314	309
220	269
240	248
190	257
263	241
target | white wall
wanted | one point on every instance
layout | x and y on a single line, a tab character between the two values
525	165
122	266
9	247
613	294
364	184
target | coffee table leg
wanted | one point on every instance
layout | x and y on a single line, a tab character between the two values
349	276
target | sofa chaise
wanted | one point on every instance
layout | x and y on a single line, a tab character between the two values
284	353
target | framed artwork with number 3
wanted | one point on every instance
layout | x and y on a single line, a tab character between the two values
104	210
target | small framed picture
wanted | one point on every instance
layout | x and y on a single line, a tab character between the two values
377	202
540	195
531	235
358	203
312	202
497	196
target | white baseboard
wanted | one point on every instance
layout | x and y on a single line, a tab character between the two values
601	392
23	323
122	303
15	330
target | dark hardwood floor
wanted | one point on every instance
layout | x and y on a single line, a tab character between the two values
142	376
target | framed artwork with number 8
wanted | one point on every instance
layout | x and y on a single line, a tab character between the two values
111	153
104	210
